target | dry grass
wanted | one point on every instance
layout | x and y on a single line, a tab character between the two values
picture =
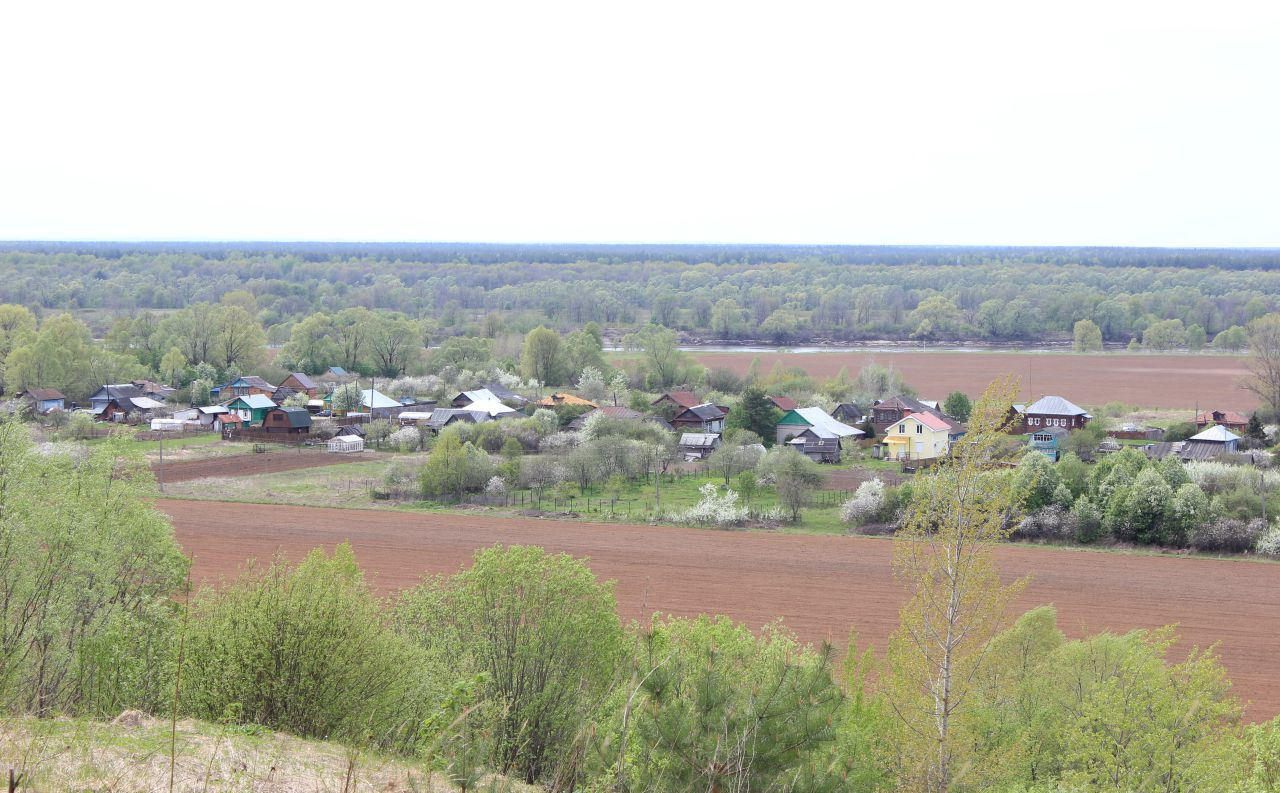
131	755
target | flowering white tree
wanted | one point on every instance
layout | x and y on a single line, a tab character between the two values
714	508
406	439
866	504
591	384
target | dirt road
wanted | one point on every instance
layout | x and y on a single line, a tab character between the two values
1160	381
820	586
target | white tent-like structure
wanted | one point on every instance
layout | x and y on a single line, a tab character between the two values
345	444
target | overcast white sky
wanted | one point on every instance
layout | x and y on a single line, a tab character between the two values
1115	123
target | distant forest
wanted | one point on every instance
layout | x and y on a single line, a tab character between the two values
1162	298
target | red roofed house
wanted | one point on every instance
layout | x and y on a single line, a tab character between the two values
1222	418
784	403
682	400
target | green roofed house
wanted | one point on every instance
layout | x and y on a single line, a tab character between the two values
797	421
252	408
292	421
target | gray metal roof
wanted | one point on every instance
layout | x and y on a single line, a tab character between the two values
1055	406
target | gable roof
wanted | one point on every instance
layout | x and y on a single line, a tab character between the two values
685	399
817	417
784	402
253	381
44	394
298	417
1220	416
479	395
502	392
1216	434
701	439
253	401
442	416
564	399
703	412
338	370
621	412
491	406
302	380
376	400
903	402
113	390
1055	406
931	421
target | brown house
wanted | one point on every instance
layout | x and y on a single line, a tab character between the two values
292	421
1052	411
681	400
1222	418
300	383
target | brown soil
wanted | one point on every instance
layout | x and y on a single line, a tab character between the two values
1167	381
820	586
250	464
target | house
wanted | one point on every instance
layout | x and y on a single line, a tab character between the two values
443	417
335	374
1222	418
556	400
301	383
379	405
1048	441
156	391
679	400
849	413
1211	443
251	408
246	386
783	403
44	400
612	411
919	436
1052	411
127	408
894	409
291	421
504	394
698	445
699	418
99	399
207	414
412	418
797	421
478	395
818	444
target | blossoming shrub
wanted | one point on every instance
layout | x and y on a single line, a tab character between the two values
715	508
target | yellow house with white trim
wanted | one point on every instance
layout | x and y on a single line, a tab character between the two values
919	436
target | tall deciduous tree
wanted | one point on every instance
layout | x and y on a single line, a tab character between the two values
1264	359
393	341
541	358
944	552
660	356
1086	336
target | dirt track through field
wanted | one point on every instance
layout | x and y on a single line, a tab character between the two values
1158	381
820	586
252	464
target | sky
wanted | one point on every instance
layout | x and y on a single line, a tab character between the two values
1021	123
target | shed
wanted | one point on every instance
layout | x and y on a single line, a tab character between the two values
697	445
290	421
818	444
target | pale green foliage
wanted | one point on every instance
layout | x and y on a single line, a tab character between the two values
1086	336
795	478
712	707
86	568
546	635
346	398
454	467
304	650
1035	480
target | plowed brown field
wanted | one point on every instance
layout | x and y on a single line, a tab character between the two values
821	586
1157	381
251	464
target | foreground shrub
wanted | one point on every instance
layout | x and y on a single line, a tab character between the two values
867	504
540	634
717	708
303	650
714	508
1053	524
1228	535
86	569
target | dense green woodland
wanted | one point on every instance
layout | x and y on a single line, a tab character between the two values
779	294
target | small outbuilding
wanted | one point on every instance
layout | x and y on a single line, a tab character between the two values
698	445
290	421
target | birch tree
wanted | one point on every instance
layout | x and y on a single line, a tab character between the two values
944	552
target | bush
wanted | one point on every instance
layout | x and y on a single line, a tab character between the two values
303	650
1269	543
714	508
1053	524
1228	535
406	439
867	504
1180	431
1088	520
542	631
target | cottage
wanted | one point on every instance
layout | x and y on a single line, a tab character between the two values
290	421
156	391
1048	441
797	421
44	400
1052	411
920	436
1222	418
698	445
700	418
336	374
301	383
783	403
251	408
1211	443
612	411
127	408
818	444
478	395
443	417
893	410
99	399
849	413
246	386
504	394
556	400
379	405
677	400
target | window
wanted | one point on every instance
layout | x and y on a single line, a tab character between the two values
902	428
919	429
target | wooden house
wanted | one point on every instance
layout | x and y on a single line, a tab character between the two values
128	408
848	413
677	400
919	436
301	383
1053	411
698	445
818	444
478	395
248	385
1222	418
251	408
99	399
705	418
783	403
44	400
290	421
1049	441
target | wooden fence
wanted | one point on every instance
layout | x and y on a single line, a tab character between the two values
266	436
